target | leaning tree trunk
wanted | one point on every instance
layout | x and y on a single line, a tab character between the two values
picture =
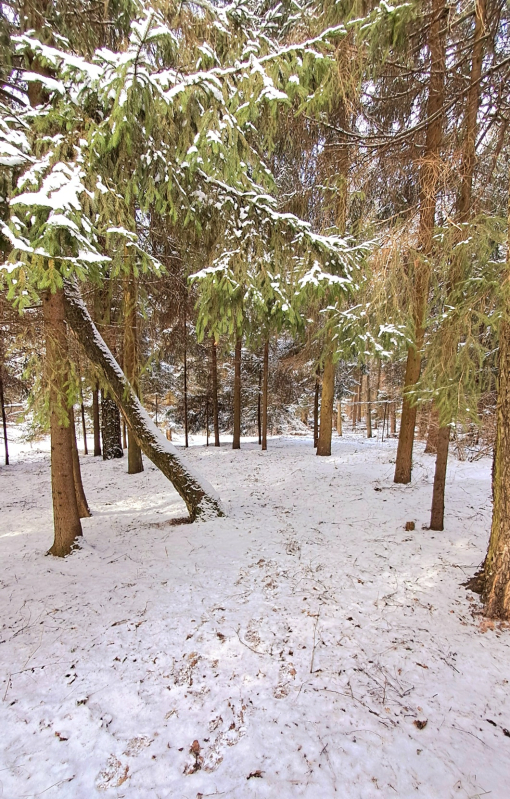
432	431
327	400
135	462
66	519
95	420
265	380
429	181
81	499
236	441
196	492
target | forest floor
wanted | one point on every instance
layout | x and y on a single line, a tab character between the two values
304	646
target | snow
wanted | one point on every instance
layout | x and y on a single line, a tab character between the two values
285	650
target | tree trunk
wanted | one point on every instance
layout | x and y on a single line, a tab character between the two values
378	407
265	382
393	419
81	499
259	409
83	426
186	424
95	417
430	174
196	492
67	525
433	428
327	400
496	570
4	416
437	511
236	441
214	370
339	417
110	428
368	407
124	434
316	409
131	366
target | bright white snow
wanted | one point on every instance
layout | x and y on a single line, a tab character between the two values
284	651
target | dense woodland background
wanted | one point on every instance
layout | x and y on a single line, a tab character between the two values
280	217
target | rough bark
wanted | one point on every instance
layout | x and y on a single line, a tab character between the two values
236	440
196	493
327	400
66	520
214	375
4	416
186	421
316	409
432	431
131	370
496	571
437	510
429	180
96	423
110	428
368	407
265	380
81	499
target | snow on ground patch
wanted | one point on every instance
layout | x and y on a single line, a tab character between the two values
304	646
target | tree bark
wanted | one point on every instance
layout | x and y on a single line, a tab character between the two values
81	499
393	419
437	511
368	407
110	428
339	417
236	441
2	406
214	370
429	179
259	409
95	417
67	525
196	492
131	365
265	382
316	409
84	427
327	400
185	333
432	431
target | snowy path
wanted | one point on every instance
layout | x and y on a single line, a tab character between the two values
289	650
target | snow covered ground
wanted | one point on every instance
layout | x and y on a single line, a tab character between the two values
304	646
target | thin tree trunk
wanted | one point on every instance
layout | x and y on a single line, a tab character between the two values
207	421
124	435
339	417
66	519
4	416
327	400
196	492
429	181
186	425
95	417
84	428
265	382
368	407
259	409
236	441
377	391
316	409
131	366
393	419
214	371
81	499
437	511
